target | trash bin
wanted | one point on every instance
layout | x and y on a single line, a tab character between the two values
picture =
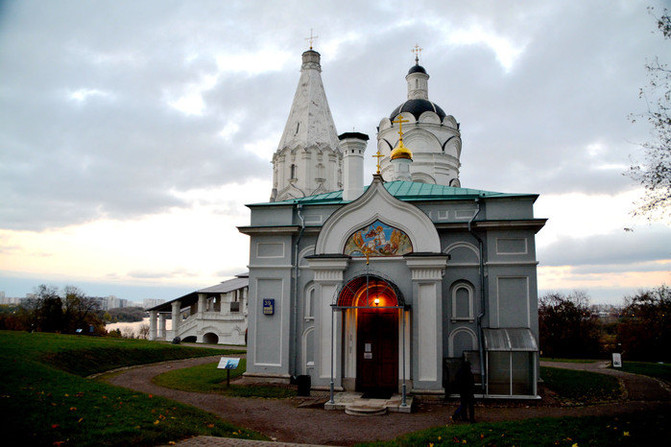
304	384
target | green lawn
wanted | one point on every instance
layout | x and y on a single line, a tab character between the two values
208	379
658	370
580	386
51	406
627	430
551	359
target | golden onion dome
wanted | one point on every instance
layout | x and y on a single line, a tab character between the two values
401	152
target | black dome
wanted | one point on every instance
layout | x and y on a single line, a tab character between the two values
416	69
417	107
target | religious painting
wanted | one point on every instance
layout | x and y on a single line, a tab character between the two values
378	239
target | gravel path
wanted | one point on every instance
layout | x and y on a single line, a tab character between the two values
292	421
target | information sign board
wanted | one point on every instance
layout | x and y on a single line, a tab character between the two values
617	360
228	363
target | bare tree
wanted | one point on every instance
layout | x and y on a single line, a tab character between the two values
49	310
127	332
80	311
143	332
566	326
654	173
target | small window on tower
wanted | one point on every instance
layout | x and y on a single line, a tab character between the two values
293	171
298	126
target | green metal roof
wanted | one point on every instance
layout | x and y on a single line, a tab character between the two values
406	191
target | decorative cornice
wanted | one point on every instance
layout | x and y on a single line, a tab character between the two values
531	224
426	266
328	268
253	230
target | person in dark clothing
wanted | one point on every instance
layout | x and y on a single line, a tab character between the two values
465	383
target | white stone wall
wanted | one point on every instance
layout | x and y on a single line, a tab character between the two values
435	147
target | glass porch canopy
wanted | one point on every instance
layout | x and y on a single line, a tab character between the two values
510	359
509	339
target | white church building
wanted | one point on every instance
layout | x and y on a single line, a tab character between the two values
214	315
386	282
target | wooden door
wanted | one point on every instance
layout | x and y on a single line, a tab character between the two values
377	350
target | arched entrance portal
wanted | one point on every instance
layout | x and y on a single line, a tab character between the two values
377	304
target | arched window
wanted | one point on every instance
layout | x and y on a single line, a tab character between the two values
293	171
310	303
462	301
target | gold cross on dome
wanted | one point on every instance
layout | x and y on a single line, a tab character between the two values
311	39
378	155
417	50
399	120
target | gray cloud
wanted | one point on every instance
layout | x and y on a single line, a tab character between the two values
629	250
162	275
661	266
123	152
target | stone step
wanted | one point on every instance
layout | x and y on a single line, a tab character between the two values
365	409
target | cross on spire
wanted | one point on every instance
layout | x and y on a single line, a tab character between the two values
378	155
311	39
417	50
399	120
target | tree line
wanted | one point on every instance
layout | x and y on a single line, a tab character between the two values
641	330
69	312
568	328
48	310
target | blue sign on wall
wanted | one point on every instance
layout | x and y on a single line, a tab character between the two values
268	306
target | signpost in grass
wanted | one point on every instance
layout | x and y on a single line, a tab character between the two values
228	364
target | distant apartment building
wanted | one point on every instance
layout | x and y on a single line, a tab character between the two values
151	302
111	302
10	300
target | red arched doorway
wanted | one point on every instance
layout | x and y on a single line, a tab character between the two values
377	306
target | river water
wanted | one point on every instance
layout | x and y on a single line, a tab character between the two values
134	326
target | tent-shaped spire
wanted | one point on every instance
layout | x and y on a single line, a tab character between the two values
308	159
310	122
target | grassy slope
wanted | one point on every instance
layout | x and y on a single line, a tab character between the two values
49	406
658	370
583	386
552	359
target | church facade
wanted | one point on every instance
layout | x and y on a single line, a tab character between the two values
389	286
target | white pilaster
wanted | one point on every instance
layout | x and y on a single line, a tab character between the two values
152	324
201	303
427	274
175	318
328	276
161	326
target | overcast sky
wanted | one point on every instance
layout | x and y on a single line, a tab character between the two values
132	133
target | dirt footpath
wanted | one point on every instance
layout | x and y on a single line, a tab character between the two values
291	421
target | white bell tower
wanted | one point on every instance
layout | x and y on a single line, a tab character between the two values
434	137
308	159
